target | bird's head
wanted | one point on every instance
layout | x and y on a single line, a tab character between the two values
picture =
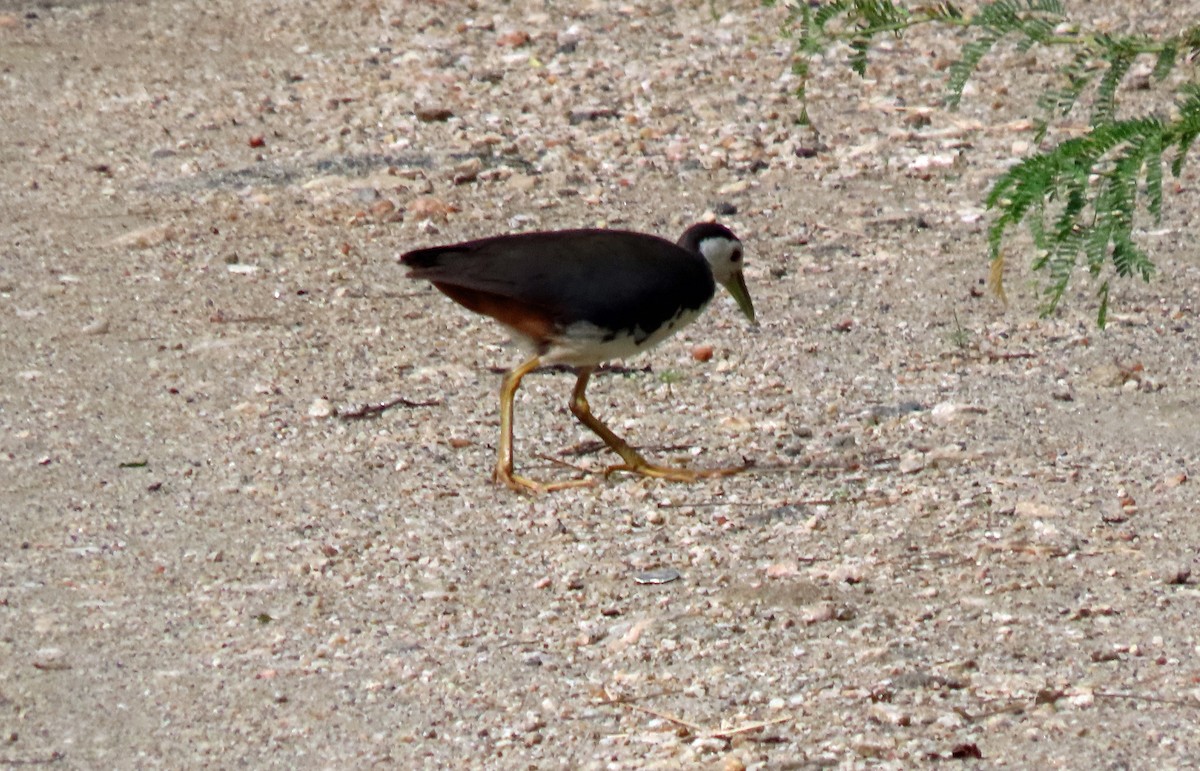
723	251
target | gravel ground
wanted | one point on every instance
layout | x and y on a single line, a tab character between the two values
969	535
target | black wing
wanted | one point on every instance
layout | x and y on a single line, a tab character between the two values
616	280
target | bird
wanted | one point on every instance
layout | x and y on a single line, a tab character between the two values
581	298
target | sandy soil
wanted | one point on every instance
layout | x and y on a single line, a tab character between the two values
970	532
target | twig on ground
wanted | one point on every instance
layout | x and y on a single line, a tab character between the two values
560	462
361	411
725	734
1151	699
693	727
713	733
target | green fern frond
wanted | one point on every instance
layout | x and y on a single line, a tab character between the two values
939	12
1040	128
1128	259
1153	161
1078	74
998	14
881	13
1037	31
1090	218
1095	246
1104	138
964	67
1119	60
828	12
1016	191
859	48
1187	126
1034	21
1102	315
1052	7
1060	277
1165	61
1079	199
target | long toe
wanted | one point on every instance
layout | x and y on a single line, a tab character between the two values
568	483
674	473
520	484
725	471
516	483
657	472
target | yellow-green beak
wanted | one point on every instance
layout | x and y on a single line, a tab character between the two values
736	285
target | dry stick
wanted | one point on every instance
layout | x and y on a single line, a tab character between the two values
699	729
221	318
670	718
800	502
1013	355
591	447
1018	704
843	231
374	410
749	727
814	470
1154	699
992	356
560	462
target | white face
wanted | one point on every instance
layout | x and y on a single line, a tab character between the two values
724	257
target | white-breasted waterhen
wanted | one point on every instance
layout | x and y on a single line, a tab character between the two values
583	297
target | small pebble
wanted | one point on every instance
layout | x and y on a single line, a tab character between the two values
433	114
660	576
467	171
950	412
430	207
320	408
50	659
709	744
1175	574
97	327
818	612
145	238
514	39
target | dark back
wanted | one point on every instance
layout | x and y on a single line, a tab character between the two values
615	279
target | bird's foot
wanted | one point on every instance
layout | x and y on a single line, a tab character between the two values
674	473
526	486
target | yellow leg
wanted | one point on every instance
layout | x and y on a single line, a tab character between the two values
504	461
633	460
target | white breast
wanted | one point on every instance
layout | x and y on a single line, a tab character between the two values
583	345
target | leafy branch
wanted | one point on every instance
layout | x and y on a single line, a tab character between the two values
1078	198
